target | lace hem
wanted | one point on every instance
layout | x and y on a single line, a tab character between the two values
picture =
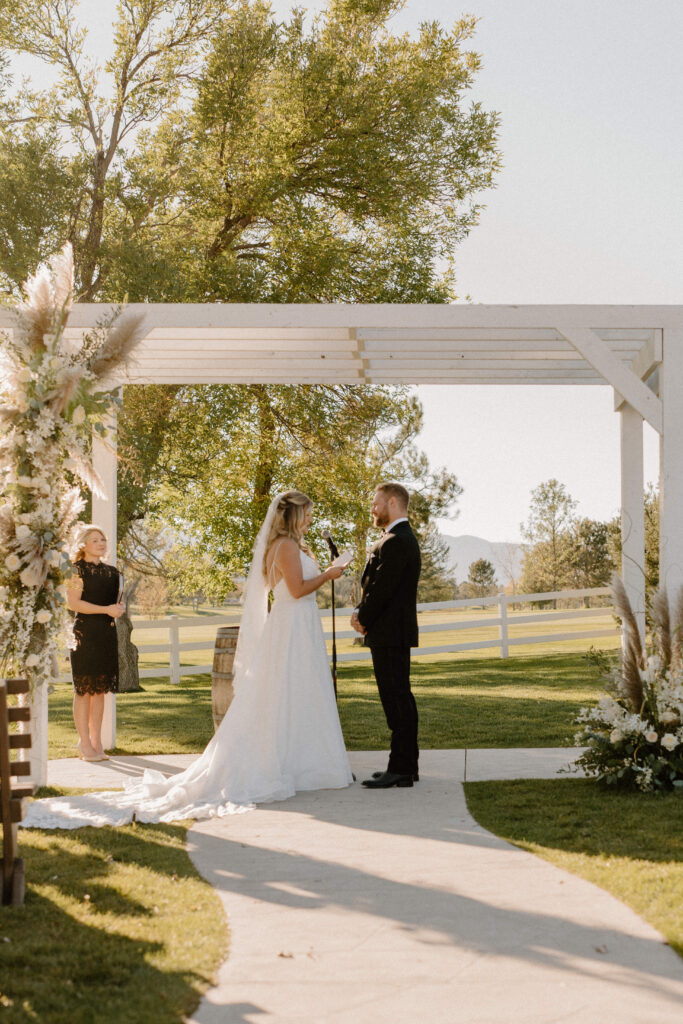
90	685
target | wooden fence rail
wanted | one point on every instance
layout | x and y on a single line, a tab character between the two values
502	621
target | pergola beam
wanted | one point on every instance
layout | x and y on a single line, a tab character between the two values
622	378
671	465
382	316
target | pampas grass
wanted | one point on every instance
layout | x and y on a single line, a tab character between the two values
633	655
117	347
677	633
661	618
54	390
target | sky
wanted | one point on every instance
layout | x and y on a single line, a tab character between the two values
586	209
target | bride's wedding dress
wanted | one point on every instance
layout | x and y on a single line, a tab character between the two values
281	733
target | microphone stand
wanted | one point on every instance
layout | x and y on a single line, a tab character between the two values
334	645
335	554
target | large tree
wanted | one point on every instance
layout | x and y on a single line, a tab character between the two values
651	508
590	561
227	450
481	578
548	549
221	155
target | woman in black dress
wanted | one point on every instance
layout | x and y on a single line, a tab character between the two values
92	592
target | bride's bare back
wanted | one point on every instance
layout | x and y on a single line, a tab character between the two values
283	561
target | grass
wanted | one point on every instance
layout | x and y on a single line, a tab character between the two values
630	844
522	702
117	925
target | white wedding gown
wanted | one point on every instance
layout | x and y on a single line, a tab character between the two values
280	735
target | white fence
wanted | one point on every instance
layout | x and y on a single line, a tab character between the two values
503	621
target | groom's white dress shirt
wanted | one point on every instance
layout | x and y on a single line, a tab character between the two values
403	519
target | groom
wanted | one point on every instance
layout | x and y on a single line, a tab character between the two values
387	618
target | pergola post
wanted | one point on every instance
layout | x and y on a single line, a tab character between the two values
104	515
633	512
671	464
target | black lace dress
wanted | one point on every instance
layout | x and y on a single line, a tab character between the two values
95	662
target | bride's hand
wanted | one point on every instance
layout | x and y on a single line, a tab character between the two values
333	572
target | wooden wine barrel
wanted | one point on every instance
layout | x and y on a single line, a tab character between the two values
221	673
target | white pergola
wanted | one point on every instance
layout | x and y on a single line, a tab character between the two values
635	350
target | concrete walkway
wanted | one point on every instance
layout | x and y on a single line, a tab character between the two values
395	906
392	907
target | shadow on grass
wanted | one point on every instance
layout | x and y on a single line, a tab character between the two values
92	941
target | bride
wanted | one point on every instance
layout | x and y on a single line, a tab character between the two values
281	733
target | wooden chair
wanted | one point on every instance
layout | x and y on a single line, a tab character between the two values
12	796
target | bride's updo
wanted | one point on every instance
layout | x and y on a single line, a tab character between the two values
288	521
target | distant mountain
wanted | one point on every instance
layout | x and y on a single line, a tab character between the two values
464	550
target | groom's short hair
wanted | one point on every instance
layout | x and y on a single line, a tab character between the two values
394	490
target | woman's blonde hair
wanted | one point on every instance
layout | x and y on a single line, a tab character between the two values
288	522
78	550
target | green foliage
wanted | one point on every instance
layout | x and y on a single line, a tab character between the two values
651	500
563	551
590	561
211	459
481	578
227	156
548	554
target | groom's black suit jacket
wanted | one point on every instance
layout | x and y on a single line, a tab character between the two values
387	607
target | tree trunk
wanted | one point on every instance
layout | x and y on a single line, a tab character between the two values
129	677
265	465
88	255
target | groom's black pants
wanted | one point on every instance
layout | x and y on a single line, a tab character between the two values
392	672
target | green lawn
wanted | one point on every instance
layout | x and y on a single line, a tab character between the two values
628	843
117	925
466	702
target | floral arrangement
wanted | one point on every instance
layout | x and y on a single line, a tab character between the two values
53	393
635	734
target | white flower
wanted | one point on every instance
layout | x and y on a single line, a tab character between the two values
668	717
22	532
25	481
651	736
24	375
669	741
43	615
32	660
12	563
78	416
55	362
32	575
53	558
616	736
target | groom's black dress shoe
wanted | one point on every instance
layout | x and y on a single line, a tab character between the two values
387	779
377	775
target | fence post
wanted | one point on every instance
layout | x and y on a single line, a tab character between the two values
174	656
503	627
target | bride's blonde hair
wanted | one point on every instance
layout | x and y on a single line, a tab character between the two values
288	522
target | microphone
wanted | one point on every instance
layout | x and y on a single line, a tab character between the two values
330	543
